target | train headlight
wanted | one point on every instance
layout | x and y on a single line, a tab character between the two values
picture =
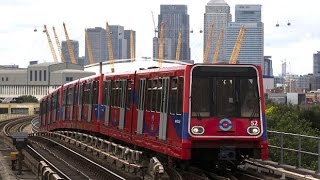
197	130
253	130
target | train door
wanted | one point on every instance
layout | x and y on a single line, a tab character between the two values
94	106
164	109
141	107
106	101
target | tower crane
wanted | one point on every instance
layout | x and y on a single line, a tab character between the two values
89	50
70	49
58	44
154	25
132	55
109	46
237	46
50	44
178	47
208	44
161	44
217	49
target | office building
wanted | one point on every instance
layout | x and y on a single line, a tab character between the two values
217	13
316	63
267	71
65	52
98	42
252	48
120	41
175	19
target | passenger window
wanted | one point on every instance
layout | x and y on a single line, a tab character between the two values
249	98
95	92
225	101
173	95
180	96
128	98
70	96
87	93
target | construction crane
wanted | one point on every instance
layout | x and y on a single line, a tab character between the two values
208	44
132	46
89	50
217	48
237	46
154	25
178	47
45	30
109	46
161	44
70	49
58	44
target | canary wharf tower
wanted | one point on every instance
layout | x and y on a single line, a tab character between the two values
217	14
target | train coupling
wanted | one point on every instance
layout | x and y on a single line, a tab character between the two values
227	153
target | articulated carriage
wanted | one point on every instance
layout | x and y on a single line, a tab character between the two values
188	112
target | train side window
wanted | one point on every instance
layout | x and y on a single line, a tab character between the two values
70	95
106	93
87	94
53	102
80	99
173	95
180	95
142	87
199	97
149	95
95	92
154	95
129	91
115	94
49	103
158	99
123	93
57	99
75	94
64	96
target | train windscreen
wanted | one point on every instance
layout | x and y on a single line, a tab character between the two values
218	91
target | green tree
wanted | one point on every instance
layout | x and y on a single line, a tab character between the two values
27	99
291	119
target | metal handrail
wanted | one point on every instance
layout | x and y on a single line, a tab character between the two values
298	150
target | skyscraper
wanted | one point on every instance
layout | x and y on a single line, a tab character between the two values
316	63
252	48
268	71
120	41
127	36
175	19
217	13
98	42
65	52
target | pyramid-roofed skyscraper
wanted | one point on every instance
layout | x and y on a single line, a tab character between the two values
217	12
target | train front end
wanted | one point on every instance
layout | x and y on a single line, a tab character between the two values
227	113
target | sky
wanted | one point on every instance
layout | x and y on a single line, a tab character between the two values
19	44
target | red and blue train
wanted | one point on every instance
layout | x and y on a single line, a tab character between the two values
200	112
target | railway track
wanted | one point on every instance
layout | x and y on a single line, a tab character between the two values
91	168
72	165
242	172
